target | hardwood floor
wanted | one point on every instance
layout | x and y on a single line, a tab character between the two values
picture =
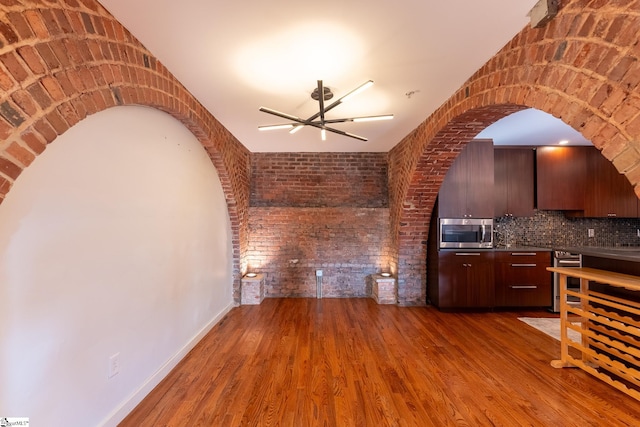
351	362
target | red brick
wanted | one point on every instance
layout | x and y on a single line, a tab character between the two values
57	122
59	49
9	169
53	88
20	25
6	82
43	127
21	154
5	129
63	21
7	32
33	142
49	20
37	24
14	67
24	100
48	56
31	57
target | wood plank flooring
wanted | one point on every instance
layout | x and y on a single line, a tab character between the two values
351	362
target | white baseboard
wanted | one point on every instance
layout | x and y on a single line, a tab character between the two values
119	413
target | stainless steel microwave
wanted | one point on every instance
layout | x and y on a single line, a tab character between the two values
466	233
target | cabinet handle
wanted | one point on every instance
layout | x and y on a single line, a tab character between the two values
524	287
523	253
467	253
612	214
523	265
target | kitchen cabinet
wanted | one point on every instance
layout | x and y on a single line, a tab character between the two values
514	181
467	189
522	279
561	178
609	193
465	280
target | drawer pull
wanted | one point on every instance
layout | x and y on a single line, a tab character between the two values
524	287
523	265
467	253
523	253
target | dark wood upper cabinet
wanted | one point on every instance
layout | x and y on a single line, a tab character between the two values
561	178
609	193
467	189
514	181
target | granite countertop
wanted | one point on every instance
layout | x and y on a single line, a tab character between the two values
626	253
522	249
500	249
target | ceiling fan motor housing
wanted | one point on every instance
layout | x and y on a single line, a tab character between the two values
326	91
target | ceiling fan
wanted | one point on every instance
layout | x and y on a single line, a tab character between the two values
318	120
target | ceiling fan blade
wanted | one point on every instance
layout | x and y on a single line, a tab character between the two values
277	126
283	115
342	99
321	100
350	135
361	119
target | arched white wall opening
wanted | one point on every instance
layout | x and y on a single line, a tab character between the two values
116	240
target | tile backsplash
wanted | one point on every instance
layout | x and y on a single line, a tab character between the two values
553	228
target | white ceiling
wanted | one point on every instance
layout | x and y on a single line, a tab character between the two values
236	56
532	127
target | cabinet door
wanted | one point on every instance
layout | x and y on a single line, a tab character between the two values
514	181
467	189
465	280
452	198
480	284
480	200
522	279
609	193
561	176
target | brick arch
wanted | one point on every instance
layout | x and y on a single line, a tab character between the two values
62	62
583	67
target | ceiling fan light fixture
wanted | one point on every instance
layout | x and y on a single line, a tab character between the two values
319	120
373	118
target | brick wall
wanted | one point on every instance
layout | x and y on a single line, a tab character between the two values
318	211
319	179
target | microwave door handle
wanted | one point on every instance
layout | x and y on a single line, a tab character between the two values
483	233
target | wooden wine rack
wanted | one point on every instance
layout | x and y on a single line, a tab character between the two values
609	328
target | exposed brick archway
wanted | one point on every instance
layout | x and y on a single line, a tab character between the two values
62	62
583	68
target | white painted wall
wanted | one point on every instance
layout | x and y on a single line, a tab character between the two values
115	240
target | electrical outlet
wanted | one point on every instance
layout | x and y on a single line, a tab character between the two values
592	232
114	365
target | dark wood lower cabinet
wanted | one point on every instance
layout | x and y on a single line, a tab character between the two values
465	280
487	279
522	279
